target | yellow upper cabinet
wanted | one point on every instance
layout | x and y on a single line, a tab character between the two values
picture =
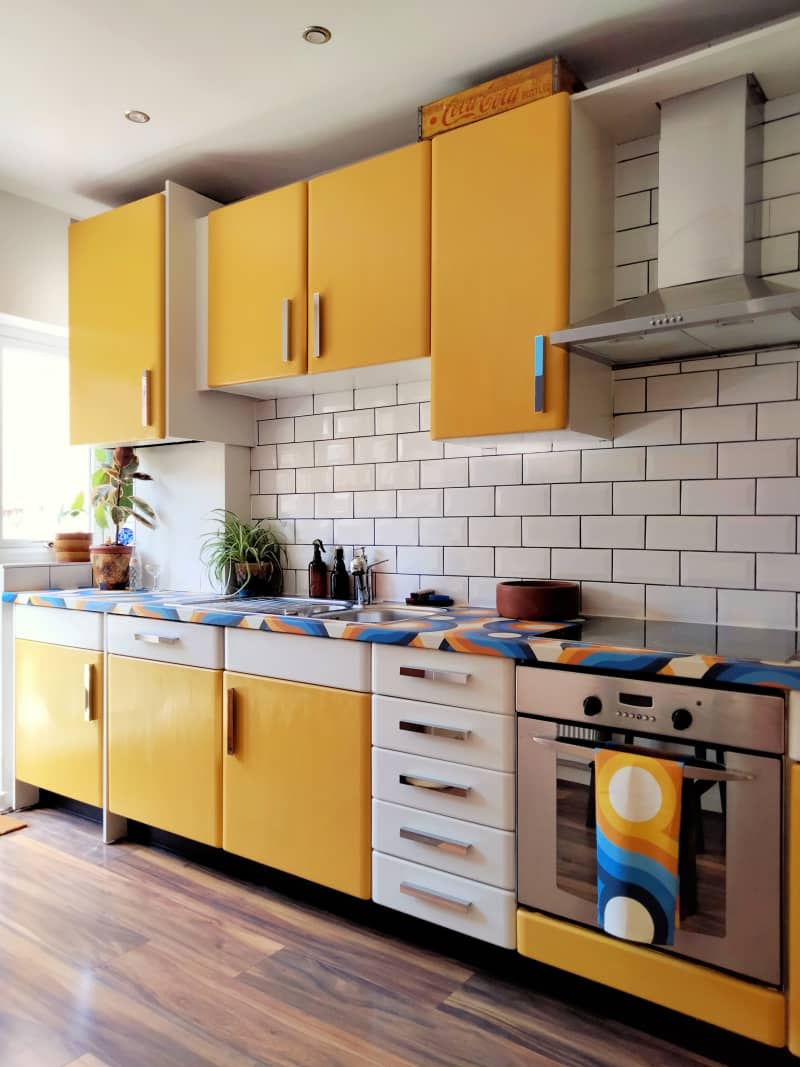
257	268
116	325
500	271
369	261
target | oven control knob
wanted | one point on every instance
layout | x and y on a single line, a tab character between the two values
682	719
592	706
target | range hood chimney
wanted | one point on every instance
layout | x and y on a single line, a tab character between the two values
710	297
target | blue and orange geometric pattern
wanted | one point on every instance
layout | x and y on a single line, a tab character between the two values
638	808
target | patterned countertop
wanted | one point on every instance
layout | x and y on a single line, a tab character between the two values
457	629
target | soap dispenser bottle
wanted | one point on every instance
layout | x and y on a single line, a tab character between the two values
340	579
318	572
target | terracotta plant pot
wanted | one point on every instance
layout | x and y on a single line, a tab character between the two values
266	579
544	600
72	547
110	565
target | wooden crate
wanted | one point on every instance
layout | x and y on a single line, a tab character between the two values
492	97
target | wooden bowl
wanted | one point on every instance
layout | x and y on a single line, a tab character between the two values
535	599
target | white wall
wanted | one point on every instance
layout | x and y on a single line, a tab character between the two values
33	260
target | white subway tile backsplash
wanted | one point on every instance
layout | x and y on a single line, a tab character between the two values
275	431
634	245
740	359
720	424
758	459
781	419
551	531
441	473
647	498
636	174
630	281
378	396
779	355
381	503
424	416
781	106
648	567
418	446
495	470
752	533
778	571
734	496
360	477
648	428
675	602
612	531
631	210
682	461
333	506
783	214
612	598
682	531
313	428
289	406
782	137
264	507
443	531
478	500
311	479
613	464
420	560
590	564
263	457
488	531
469	561
301	455
522	499
547	467
265	409
397	531
413	392
778	254
419	502
401	419
622	374
354	531
278	481
457	588
308	530
395	586
329	402
722	570
396	475
780	177
753	384
483	592
736	607
356	424
523	562
629	395
778	496
296	506
376	450
642	146
584	498
682	391
333	453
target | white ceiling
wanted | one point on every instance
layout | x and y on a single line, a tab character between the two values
240	103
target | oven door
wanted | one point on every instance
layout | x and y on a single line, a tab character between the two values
733	916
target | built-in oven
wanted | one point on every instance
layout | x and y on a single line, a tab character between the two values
730	745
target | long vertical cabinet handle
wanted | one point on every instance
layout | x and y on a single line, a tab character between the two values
538	374
286	330
88	673
316	350
145	397
230	697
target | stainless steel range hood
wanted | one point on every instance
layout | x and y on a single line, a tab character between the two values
711	298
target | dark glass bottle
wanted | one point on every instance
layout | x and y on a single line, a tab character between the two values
318	572
340	579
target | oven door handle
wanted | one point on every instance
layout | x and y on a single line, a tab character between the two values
581	754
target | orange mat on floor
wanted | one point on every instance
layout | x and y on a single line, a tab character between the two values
8	824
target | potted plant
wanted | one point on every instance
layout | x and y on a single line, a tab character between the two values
72	546
114	504
242	555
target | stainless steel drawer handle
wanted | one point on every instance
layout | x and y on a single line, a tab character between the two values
434	785
455	677
444	844
88	713
145	387
316	348
157	639
286	317
452	732
433	896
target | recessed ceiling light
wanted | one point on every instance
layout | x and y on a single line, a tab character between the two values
317	34
134	115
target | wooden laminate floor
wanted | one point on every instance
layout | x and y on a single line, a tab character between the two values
129	956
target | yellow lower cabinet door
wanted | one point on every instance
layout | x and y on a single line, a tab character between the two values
59	719
793	978
164	755
296	780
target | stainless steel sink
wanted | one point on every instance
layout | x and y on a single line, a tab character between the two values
306	607
376	614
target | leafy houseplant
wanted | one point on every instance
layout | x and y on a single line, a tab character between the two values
72	545
114	504
244	555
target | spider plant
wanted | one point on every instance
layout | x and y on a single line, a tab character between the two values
242	554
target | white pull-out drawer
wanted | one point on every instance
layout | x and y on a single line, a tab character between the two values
186	643
464	848
458	734
485	683
482	911
326	661
454	789
59	626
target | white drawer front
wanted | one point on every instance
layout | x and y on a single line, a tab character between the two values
59	626
190	644
454	789
472	908
315	660
464	848
485	683
458	734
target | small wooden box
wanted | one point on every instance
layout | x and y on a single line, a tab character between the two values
492	97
